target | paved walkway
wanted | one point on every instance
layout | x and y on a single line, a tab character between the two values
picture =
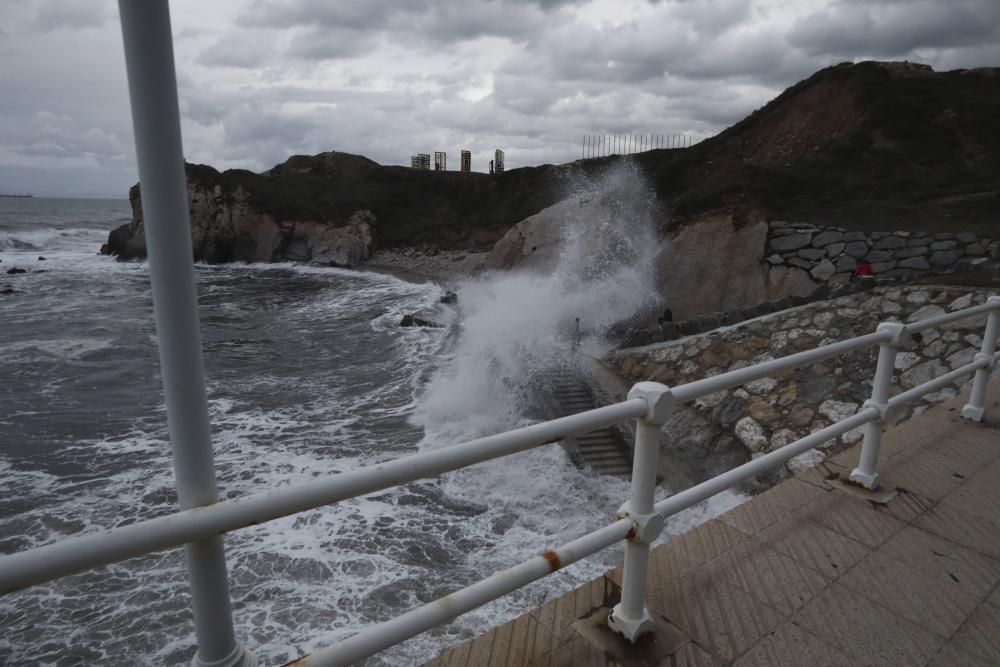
808	574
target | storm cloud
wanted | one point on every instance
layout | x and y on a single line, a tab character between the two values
260	80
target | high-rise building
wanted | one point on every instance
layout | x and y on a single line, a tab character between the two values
498	161
466	161
440	161
420	161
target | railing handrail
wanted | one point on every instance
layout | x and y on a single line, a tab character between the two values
75	554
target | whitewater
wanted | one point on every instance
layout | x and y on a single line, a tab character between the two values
309	373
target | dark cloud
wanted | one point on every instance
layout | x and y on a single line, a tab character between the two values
261	80
896	27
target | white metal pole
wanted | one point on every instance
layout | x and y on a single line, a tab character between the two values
977	400
865	474
149	60
630	616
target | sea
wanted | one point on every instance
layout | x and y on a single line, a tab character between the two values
309	373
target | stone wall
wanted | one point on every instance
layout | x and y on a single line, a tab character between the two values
830	254
730	427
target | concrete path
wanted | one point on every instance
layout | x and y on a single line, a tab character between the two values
810	574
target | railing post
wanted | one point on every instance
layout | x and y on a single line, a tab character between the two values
630	617
865	474
152	83
975	407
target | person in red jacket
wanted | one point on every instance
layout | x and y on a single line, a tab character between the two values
863	270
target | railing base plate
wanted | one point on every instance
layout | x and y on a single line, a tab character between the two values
650	649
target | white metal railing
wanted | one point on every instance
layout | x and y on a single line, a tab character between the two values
202	521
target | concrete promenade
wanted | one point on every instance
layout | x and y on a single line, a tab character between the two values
810	573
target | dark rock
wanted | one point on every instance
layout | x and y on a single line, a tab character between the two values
710	321
811	254
919	263
732	316
449	298
944	257
944	245
41	259
855	236
823	271
414	321
800	263
975	249
876	236
732	410
826	238
7	289
919	240
782	304
846	263
878	256
966	237
834	249
688	327
800	300
890	243
775	259
856	249
791	242
15	270
882	267
670	331
904	253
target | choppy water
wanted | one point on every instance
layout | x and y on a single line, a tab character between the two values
308	374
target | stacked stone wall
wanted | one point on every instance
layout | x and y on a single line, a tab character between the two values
724	428
830	255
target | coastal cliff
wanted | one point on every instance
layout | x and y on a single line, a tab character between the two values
867	146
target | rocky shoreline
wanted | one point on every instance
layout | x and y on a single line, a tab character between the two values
447	268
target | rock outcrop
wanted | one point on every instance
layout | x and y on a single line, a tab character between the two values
866	146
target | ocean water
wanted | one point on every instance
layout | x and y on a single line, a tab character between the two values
308	374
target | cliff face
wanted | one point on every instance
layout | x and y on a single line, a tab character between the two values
871	146
332	207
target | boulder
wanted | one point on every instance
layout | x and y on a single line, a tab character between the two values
791	242
823	271
857	249
834	249
926	312
826	238
890	243
15	270
855	236
811	254
944	245
751	434
410	320
922	373
918	263
943	258
904	253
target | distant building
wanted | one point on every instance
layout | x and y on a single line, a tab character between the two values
420	161
498	161
466	161
440	161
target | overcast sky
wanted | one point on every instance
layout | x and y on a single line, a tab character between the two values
263	79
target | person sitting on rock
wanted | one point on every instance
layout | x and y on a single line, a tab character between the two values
863	270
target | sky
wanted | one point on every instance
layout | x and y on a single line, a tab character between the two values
260	80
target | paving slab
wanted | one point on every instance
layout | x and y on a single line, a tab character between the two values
808	574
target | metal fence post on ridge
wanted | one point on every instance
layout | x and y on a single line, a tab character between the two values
630	616
152	84
865	474
976	406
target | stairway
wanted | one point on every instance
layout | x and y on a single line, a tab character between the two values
603	450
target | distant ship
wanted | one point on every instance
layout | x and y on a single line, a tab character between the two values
29	196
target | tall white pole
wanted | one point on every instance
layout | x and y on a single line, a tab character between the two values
975	408
152	83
